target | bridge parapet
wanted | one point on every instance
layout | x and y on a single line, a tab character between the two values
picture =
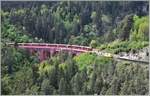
45	47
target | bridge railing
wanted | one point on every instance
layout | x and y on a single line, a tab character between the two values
54	45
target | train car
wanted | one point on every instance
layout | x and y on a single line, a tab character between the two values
90	49
108	55
87	48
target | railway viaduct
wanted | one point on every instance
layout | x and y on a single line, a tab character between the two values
44	50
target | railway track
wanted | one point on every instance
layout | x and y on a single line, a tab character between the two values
73	48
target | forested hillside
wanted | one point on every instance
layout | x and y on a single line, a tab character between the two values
112	26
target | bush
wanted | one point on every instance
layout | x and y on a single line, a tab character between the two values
84	59
93	44
123	46
140	30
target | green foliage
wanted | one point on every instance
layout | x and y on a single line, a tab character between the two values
44	9
79	23
79	40
106	19
123	46
63	87
46	88
93	44
49	22
6	87
103	60
12	33
106	77
125	27
93	15
84	60
63	66
140	30
44	67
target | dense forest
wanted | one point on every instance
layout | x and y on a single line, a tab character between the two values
112	26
